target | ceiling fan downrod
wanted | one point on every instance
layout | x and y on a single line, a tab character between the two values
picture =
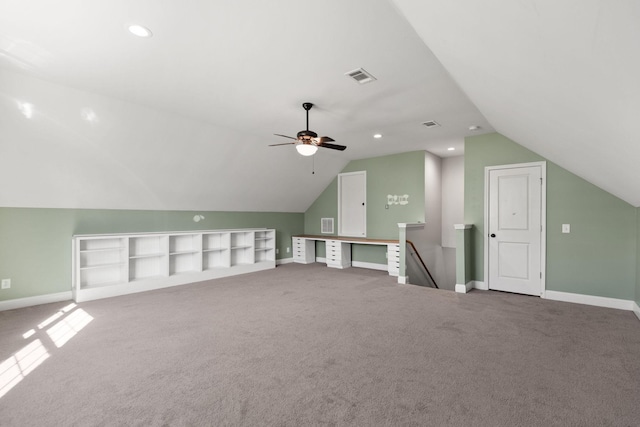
307	106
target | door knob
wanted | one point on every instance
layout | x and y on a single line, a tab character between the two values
492	235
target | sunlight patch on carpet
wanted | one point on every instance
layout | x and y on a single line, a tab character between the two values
68	327
21	364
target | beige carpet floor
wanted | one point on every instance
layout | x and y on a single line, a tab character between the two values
307	345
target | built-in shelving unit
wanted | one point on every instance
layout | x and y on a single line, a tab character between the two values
265	241
102	262
119	264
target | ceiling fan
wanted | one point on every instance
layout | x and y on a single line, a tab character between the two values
307	141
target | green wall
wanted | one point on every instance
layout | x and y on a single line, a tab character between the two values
35	244
394	174
597	258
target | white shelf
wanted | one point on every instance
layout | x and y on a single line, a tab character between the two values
90	267
118	264
156	255
84	251
184	252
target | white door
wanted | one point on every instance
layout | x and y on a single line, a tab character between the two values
515	229
352	213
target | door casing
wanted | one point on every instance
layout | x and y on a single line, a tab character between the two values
543	220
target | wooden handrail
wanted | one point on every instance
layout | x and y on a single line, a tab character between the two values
423	264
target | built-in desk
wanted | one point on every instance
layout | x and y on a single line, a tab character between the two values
339	250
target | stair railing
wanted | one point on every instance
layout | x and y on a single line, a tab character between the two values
435	285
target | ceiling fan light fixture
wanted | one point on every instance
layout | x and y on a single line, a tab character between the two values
306	149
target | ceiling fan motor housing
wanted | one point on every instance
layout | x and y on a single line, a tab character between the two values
306	135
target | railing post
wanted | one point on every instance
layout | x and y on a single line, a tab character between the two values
463	258
402	239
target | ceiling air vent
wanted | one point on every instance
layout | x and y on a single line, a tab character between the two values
431	124
360	76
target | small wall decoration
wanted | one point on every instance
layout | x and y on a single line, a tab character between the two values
198	218
394	199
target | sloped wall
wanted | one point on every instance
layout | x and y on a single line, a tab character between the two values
597	258
394	174
35	244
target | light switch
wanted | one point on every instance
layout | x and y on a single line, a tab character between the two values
566	228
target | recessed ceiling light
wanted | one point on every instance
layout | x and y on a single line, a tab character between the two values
140	31
451	149
474	127
377	136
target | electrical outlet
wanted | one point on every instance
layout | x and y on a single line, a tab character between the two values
277	251
6	283
288	249
566	228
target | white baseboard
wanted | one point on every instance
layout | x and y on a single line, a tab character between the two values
37	300
403	280
479	285
620	304
370	265
463	289
360	264
636	310
284	261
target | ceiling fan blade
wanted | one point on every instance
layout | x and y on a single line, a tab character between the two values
285	136
323	139
332	146
284	143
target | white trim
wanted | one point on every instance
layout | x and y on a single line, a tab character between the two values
403	280
543	219
360	264
370	265
411	225
462	226
620	304
479	285
340	175
284	261
37	300
152	283
463	289
151	233
636	310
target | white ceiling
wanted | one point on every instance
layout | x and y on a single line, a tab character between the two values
561	78
93	117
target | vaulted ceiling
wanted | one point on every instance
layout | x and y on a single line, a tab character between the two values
94	117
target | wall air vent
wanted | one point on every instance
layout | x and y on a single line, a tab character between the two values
360	76
326	226
431	124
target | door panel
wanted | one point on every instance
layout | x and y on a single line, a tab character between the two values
513	260
515	202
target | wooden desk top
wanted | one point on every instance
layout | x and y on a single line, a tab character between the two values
350	239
